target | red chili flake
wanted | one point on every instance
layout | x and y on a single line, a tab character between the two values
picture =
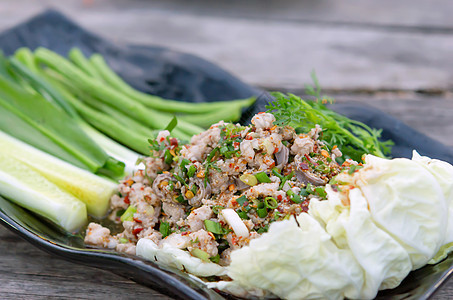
185	233
276	150
231	165
236	144
279	197
261	112
137	231
126	199
272	165
235	136
162	139
304	166
249	137
174	142
137	220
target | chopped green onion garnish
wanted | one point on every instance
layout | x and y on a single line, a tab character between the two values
168	158
263	229
216	208
270	202
241	200
194	189
215	259
172	124
191	171
204	256
164	229
242	215
294	197
181	199
353	168
321	192
180	179
224	150
123	241
213	227
212	154
276	172
309	189
262	177
262	212
183	165
129	214
171	186
286	178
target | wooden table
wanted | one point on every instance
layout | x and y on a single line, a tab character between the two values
395	55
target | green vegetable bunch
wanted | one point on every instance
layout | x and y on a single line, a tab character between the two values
353	138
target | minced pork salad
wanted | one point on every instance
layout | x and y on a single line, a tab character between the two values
222	190
263	211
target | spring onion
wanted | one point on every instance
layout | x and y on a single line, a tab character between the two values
28	188
294	197
203	255
270	202
129	214
213	227
241	200
164	229
93	190
263	177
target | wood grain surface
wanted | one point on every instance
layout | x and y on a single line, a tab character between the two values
394	55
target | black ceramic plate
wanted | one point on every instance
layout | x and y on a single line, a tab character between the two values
184	77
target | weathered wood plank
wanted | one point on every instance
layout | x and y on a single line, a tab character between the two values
416	14
272	53
430	115
27	272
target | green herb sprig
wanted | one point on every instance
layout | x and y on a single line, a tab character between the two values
353	138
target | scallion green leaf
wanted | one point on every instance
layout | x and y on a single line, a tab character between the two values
165	229
270	202
263	177
213	227
129	214
241	200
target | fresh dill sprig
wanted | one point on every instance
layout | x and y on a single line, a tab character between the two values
353	138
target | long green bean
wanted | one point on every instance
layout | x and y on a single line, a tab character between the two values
77	57
100	91
162	104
